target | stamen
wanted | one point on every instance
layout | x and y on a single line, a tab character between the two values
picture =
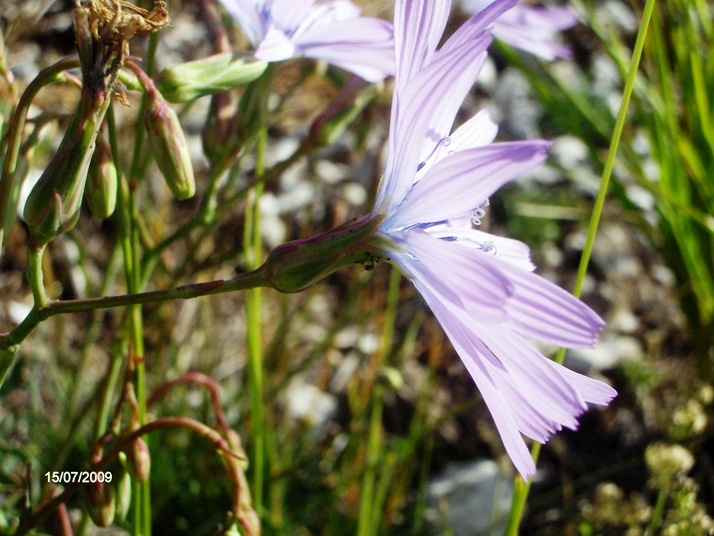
479	213
487	246
443	142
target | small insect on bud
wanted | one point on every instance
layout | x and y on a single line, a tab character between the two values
139	459
168	144
101	503
215	74
102	183
52	208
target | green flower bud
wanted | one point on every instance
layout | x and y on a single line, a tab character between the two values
169	146
102	184
139	459
123	498
299	264
215	74
101	503
52	207
123	491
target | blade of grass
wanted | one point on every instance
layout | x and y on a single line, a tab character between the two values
521	487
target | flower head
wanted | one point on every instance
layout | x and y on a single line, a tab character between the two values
481	287
530	28
332	30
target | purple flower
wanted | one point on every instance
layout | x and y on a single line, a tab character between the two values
531	28
330	30
481	287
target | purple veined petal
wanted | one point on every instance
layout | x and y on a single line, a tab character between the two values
543	311
458	73
535	30
288	15
372	66
418	27
505	249
325	14
424	112
535	377
457	274
460	55
248	17
456	183
530	28
525	392
548	19
551	389
476	132
275	46
482	372
492	12
592	391
337	10
362	46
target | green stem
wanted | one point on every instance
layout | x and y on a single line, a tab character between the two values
253	253
35	276
657	513
132	264
367	509
521	488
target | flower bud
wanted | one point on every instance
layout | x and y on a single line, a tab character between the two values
122	483
168	144
102	183
101	503
139	459
215	74
299	264
52	208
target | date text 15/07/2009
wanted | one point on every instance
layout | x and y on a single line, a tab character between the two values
81	477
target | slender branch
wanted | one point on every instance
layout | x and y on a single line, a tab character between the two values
194	378
256	278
